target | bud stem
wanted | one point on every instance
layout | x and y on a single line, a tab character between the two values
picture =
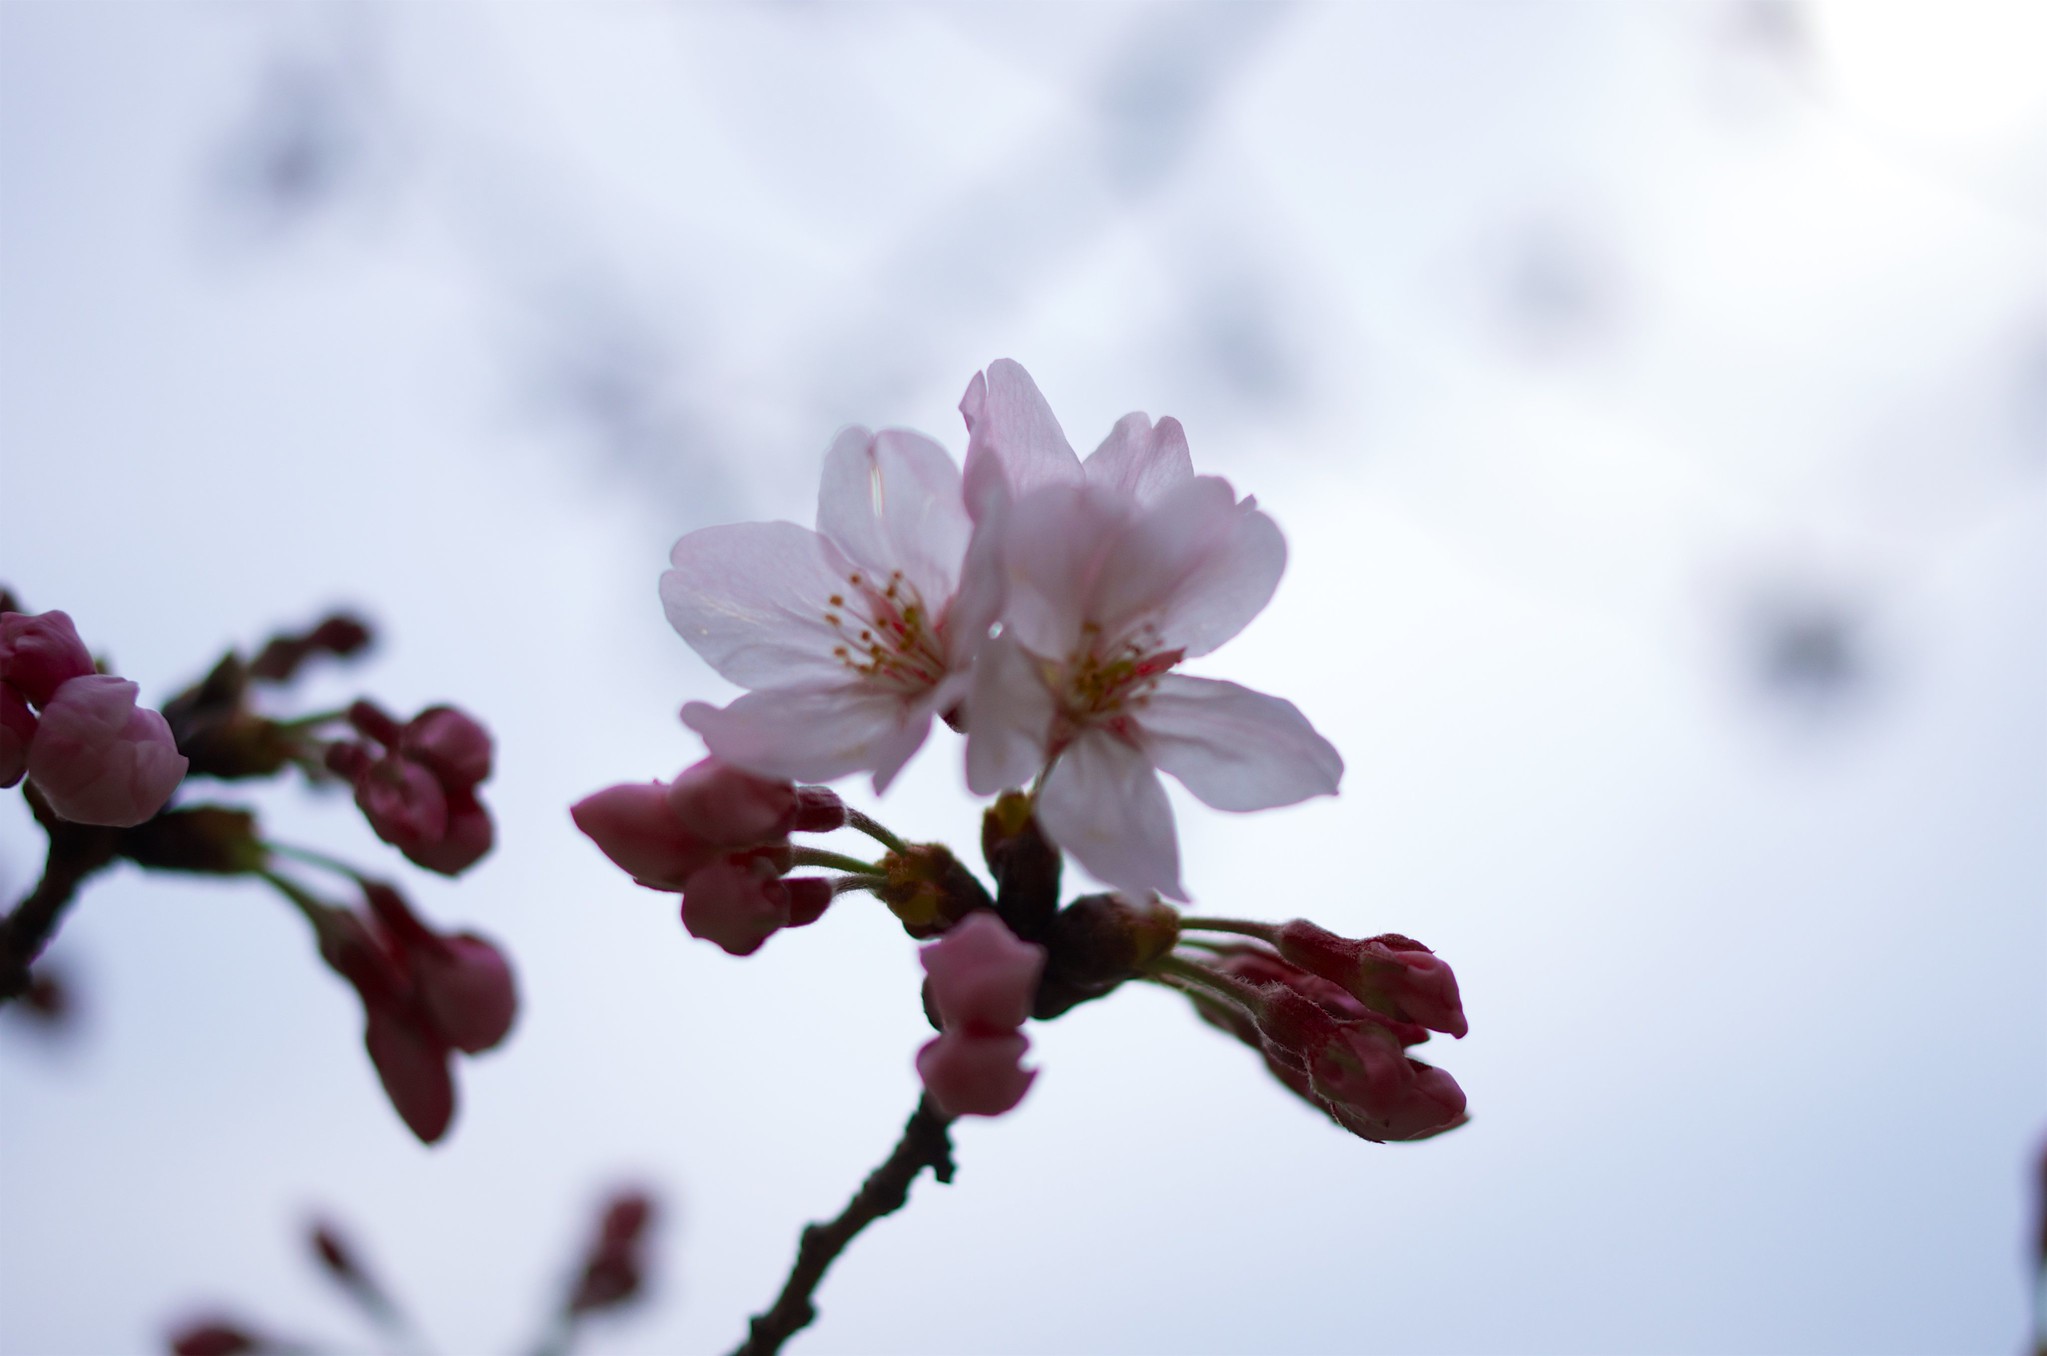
308	722
1243	927
313	858
838	861
878	832
1186	975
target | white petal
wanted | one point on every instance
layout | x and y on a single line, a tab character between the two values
1103	803
1234	748
811	734
1197	564
1056	544
977	601
891	501
1140	460
1009	719
1014	445
752	599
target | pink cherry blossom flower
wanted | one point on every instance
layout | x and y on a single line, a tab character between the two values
976	1075
98	758
852	637
1109	586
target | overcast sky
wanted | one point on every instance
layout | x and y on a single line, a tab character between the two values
1655	402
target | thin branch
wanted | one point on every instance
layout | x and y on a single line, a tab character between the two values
926	1143
76	851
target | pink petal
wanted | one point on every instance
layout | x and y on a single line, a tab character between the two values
891	501
1196	563
98	758
1014	445
452	745
1139	460
983	584
413	1067
40	652
1103	803
634	826
1234	748
467	839
736	902
731	808
982	974
753	599
812	734
1009	718
467	988
970	1075
404	803
1055	547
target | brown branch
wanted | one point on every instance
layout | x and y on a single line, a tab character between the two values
76	851
926	1143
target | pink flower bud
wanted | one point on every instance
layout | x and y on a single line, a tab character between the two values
818	810
633	825
1424	1103
1391	974
17	728
40	652
469	836
729	808
982	976
466	985
975	1075
413	1067
809	897
374	722
737	902
403	802
451	745
98	758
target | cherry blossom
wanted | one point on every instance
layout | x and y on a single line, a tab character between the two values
851	637
1114	571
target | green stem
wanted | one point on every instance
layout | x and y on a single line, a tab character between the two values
1185	974
313	858
307	722
1243	927
307	903
845	885
838	861
875	830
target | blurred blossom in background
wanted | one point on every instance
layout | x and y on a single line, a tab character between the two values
1655	402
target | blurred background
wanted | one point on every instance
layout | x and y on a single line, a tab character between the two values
1655	401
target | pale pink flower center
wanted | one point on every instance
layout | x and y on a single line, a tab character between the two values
887	634
1100	681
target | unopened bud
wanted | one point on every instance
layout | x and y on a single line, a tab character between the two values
1390	974
929	891
1025	866
1099	941
818	810
215	1337
41	652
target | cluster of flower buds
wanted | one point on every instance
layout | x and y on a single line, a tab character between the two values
720	838
92	753
1333	1018
425	995
416	782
